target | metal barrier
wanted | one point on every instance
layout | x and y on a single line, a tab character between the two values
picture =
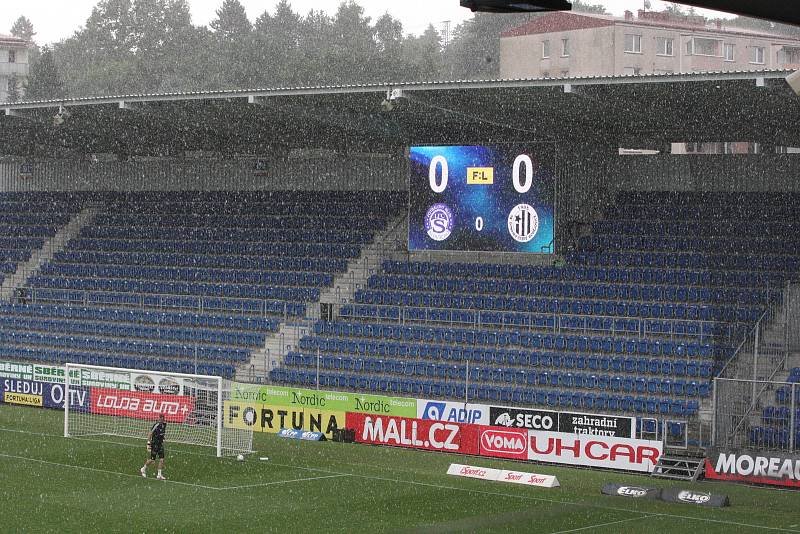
199	304
557	322
755	415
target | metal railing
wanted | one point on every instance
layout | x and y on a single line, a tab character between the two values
747	387
160	301
766	421
554	322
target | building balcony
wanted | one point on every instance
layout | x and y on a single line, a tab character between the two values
10	69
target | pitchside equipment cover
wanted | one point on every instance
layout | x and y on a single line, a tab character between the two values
126	402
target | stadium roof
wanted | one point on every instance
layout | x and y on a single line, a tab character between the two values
630	111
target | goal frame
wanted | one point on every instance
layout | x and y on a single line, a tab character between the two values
217	379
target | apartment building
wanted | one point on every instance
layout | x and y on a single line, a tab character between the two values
13	64
562	44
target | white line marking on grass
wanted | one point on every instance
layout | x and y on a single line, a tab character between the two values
601	524
282	482
440	486
541	499
96	470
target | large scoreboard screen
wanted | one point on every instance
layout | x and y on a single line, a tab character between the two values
498	198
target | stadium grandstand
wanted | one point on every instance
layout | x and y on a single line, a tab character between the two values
131	239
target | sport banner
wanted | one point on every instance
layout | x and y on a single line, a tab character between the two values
42	394
269	418
503	443
594	451
303	399
139	405
567	422
457	412
774	467
414	433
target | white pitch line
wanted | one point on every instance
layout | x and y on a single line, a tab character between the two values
282	482
467	490
601	524
96	470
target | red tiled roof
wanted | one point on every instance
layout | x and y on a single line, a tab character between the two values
558	21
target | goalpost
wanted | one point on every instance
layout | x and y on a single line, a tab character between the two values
111	401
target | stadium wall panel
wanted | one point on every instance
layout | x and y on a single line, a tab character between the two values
738	172
351	173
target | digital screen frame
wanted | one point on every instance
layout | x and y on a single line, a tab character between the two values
490	198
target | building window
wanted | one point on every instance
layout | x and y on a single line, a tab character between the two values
632	71
757	55
12	56
700	46
545	49
564	47
730	52
664	46
633	43
565	74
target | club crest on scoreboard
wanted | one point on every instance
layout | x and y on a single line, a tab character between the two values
439	222
523	223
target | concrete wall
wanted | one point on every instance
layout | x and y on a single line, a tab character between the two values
356	173
752	172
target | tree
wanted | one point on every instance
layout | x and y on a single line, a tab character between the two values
13	88
23	28
583	6
424	55
44	82
277	46
233	33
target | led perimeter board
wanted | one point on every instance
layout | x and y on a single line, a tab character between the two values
497	198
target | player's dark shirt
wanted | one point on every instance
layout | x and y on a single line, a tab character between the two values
158	430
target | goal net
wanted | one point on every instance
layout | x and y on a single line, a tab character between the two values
126	402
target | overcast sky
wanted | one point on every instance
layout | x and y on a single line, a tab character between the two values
54	20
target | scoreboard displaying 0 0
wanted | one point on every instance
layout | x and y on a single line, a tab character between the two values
497	198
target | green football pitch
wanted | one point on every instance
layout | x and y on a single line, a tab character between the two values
52	484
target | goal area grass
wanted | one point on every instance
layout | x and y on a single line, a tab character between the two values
49	483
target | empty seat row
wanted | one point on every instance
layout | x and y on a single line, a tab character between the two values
187	273
239	322
584	323
503	357
119	330
323	265
571	306
579	273
218	247
485	393
176	288
209	304
247	235
595	344
520	377
637	292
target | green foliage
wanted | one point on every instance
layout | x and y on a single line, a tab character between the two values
23	28
44	81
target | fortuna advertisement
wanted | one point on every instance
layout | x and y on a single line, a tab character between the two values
594	451
773	468
414	433
271	419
